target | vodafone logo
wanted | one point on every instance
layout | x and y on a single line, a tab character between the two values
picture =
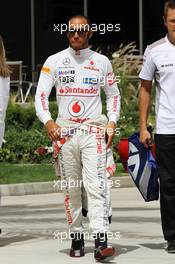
76	108
91	66
91	63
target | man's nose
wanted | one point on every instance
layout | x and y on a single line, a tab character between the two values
76	35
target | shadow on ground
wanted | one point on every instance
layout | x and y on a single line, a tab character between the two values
4	241
154	245
121	249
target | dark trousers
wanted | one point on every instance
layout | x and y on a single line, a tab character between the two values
165	157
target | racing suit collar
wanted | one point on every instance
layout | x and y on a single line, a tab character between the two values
167	40
79	53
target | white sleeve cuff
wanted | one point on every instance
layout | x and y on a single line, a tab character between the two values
45	118
113	118
144	77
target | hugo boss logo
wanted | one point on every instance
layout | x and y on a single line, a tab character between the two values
167	65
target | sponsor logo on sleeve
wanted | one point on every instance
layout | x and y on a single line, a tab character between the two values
43	101
45	69
111	79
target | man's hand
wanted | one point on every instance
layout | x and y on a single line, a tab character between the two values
145	138
53	130
110	132
144	102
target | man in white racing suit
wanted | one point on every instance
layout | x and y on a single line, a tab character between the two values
78	73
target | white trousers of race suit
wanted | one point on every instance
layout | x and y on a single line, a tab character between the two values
83	162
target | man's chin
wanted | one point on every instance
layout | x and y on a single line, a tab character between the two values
76	46
173	37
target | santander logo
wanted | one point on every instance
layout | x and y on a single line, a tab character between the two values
76	108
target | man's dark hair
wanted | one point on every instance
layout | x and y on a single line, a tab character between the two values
168	4
82	16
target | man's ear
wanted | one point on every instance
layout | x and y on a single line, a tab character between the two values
90	34
164	19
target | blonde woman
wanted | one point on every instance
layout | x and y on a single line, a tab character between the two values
4	88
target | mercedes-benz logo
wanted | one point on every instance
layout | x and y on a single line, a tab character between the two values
66	61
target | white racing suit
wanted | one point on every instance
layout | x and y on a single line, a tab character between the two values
80	190
77	77
110	171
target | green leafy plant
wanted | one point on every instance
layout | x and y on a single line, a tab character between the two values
127	64
24	133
